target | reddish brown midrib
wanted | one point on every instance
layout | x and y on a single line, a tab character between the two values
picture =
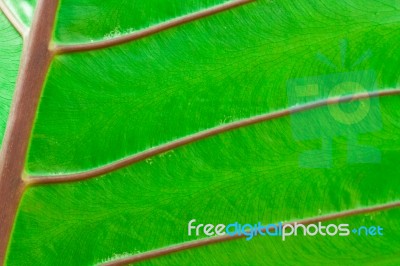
35	62
10	196
74	177
218	239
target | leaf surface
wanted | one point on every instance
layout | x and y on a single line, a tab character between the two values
10	52
231	115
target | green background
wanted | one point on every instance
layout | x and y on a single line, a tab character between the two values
101	106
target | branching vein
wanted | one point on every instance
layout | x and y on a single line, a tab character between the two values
218	239
22	30
62	49
39	180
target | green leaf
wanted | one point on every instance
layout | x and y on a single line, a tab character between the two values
154	113
10	52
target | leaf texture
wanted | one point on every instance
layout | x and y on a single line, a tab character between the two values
10	52
234	114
